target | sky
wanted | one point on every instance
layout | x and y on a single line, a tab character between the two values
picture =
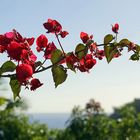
111	84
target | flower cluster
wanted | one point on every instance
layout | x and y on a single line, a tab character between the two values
53	26
18	49
44	46
87	62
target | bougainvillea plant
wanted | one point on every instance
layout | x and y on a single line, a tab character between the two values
23	63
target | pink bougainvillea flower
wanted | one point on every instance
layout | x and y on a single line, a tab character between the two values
85	37
88	56
32	57
28	57
82	68
90	63
14	50
49	49
52	26
93	47
86	63
11	40
30	41
18	37
82	61
35	83
9	35
4	41
24	72
71	59
41	42
99	54
24	55
2	48
115	28
63	34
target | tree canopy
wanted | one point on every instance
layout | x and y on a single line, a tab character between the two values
89	123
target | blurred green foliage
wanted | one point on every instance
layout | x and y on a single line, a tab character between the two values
88	123
14	125
91	123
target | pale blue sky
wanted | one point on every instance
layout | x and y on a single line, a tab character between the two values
112	84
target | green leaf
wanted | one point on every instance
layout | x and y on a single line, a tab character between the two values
57	55
108	38
15	86
59	74
124	42
70	66
110	51
81	50
2	100
8	66
134	57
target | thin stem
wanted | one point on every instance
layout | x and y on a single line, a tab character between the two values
116	37
8	75
43	69
59	43
41	65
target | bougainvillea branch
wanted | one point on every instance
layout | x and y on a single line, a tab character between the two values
23	63
59	43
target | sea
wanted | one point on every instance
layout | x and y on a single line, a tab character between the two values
52	120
